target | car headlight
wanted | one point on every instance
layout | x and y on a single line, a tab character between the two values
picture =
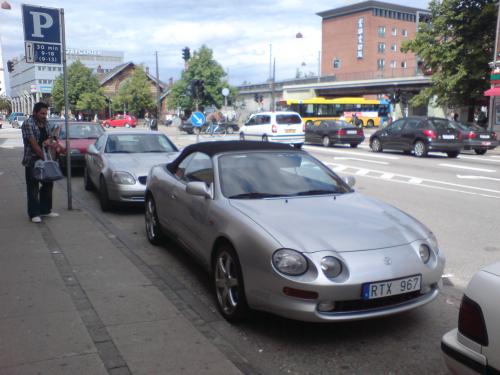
425	253
289	262
123	178
331	267
433	242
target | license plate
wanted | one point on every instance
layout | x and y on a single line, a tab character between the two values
289	130
484	136
381	289
448	136
486	143
351	132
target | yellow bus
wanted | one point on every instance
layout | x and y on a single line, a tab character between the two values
369	112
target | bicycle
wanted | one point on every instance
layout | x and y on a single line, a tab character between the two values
214	128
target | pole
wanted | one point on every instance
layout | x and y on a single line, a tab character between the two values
273	80
319	66
158	104
270	60
66	104
492	98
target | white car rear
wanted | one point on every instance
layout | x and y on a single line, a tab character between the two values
282	127
474	347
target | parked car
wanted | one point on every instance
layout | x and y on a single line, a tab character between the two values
330	132
477	138
474	347
420	135
17	121
126	121
282	127
13	115
186	126
274	227
119	162
81	136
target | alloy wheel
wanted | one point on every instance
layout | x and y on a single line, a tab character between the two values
376	146
152	225
326	141
420	149
226	283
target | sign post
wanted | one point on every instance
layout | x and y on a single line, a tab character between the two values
45	43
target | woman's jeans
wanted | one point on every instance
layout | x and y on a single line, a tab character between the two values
39	198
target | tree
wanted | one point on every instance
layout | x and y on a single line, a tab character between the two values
135	94
456	45
202	66
84	91
4	104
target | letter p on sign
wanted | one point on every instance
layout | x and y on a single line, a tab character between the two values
38	25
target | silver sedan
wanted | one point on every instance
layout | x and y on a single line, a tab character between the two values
119	162
280	232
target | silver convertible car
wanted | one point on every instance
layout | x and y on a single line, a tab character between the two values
119	162
282	233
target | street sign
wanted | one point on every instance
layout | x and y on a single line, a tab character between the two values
42	34
225	91
198	119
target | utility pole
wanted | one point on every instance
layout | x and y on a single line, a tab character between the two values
491	111
66	105
158	104
273	80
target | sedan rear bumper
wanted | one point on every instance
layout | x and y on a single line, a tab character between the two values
460	359
480	144
347	139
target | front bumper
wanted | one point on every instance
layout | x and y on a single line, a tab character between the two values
126	193
77	160
459	358
265	292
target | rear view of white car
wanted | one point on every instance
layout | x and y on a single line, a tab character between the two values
474	347
282	127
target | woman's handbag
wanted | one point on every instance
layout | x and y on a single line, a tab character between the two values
47	170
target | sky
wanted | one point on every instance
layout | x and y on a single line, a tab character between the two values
241	33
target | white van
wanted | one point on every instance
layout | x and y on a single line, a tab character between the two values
282	127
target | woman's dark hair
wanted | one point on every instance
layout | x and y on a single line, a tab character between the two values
40	105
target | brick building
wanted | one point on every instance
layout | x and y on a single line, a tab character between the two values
363	40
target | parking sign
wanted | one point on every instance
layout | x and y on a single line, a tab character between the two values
42	34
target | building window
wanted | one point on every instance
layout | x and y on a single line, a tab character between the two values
336	63
394	47
393	64
381	31
404	32
380	64
394	31
381	47
403	64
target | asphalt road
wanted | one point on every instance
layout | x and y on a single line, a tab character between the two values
458	199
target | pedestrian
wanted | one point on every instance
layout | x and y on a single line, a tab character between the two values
96	119
455	116
37	136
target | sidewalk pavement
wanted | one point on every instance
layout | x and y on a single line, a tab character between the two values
72	302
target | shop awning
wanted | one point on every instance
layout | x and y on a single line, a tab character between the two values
495	91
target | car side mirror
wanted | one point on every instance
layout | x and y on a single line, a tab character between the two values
350	180
199	188
92	149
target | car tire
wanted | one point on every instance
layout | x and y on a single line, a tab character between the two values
354	145
103	196
87	183
242	136
453	154
376	145
370	123
297	145
106	125
127	125
228	283
326	141
229	130
420	149
480	151
264	138
153	229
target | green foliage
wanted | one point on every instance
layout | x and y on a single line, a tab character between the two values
457	45
4	104
135	94
201	66
84	92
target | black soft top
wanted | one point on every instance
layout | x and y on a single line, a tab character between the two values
213	148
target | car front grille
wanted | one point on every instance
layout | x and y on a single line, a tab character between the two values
142	179
364	305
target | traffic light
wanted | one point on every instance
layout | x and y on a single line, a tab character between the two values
10	66
186	54
197	88
201	89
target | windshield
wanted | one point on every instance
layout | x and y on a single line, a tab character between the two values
82	131
138	143
467	127
276	174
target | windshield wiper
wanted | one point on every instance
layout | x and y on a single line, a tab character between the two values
254	195
316	192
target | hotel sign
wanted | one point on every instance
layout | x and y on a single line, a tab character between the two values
360	38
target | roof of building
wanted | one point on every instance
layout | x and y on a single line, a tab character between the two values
367	5
115	71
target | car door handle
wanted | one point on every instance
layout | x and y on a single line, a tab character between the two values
173	196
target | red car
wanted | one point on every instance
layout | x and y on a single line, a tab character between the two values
120	121
81	135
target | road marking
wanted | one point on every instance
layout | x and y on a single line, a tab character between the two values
468	168
478	177
358	159
387	176
347	151
481	158
362	172
415	180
